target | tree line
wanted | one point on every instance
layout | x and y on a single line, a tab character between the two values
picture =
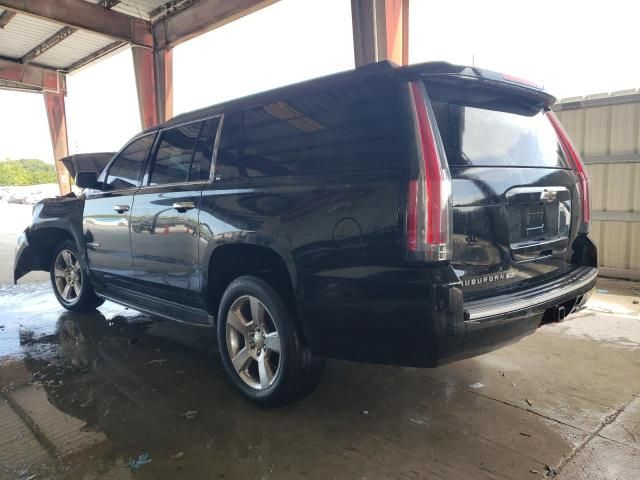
26	172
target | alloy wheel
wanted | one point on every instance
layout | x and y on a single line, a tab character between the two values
68	276
253	342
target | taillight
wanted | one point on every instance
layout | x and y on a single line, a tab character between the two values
428	196
574	157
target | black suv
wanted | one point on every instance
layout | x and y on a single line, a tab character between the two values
402	215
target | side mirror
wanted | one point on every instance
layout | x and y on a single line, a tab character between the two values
88	180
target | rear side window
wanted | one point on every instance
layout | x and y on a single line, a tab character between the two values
363	127
184	153
201	165
174	154
483	137
124	172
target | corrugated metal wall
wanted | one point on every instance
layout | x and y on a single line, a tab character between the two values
606	130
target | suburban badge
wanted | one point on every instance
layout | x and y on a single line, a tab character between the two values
484	279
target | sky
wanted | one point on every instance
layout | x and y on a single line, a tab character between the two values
571	47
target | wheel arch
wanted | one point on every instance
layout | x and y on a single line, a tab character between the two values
232	260
37	250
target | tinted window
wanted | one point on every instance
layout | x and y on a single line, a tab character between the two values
358	128
482	137
228	160
124	172
201	167
174	154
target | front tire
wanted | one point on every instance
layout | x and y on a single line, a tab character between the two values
73	290
260	345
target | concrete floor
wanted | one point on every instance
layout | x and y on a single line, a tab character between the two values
83	396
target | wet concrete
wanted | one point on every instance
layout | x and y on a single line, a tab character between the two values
83	396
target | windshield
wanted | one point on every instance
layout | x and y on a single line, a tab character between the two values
483	137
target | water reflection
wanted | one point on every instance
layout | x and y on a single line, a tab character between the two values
128	385
109	386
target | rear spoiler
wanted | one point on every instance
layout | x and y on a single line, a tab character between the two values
87	162
478	87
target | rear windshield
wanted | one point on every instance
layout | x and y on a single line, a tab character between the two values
482	137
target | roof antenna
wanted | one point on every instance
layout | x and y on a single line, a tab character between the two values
473	60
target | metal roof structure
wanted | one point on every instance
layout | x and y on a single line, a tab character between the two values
65	35
41	41
28	39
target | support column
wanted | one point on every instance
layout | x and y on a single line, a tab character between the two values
154	83
57	117
380	31
163	67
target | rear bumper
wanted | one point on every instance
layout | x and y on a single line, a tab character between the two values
494	322
536	298
417	316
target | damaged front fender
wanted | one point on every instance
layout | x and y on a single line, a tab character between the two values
54	221
26	258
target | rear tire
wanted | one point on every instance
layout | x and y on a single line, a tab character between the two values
260	345
72	288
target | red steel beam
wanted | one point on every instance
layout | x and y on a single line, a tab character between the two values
163	70
145	85
201	17
154	83
380	31
32	76
53	86
56	115
397	30
87	16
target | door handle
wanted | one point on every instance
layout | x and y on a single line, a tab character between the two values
184	206
121	208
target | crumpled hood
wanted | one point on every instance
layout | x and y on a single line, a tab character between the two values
87	162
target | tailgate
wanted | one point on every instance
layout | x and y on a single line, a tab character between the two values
515	199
